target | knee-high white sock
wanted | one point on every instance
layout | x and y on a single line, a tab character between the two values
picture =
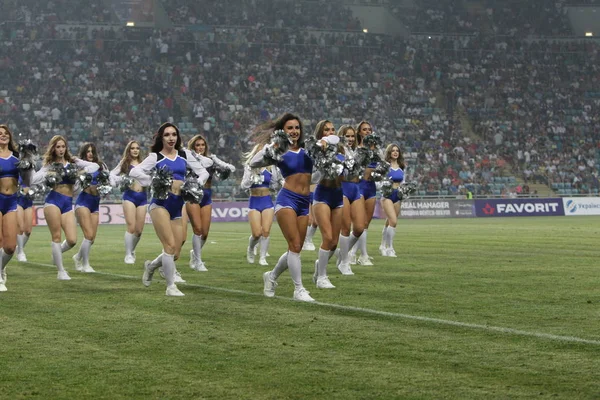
136	240
324	256
168	264
391	232
129	243
65	246
295	267
157	262
383	237
264	245
362	243
310	232
197	247
5	259
252	242
282	265
21	241
84	252
57	256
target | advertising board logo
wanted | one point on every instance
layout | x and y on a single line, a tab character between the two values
488	209
571	206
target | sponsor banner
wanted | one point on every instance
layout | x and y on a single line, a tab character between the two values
113	213
518	207
581	206
431	209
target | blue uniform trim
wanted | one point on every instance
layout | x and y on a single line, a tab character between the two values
64	203
8	203
137	198
393	196
88	201
368	189
288	199
295	163
396	175
266	180
351	191
333	197
8	166
173	204
207	198
260	203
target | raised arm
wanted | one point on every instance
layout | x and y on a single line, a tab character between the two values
40	175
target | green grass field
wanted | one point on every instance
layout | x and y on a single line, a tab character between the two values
472	309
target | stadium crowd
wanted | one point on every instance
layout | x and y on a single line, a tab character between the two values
474	112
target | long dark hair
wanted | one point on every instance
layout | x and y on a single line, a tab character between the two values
388	155
263	131
361	123
127	159
157	146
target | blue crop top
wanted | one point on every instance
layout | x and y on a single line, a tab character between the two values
295	163
8	166
178	165
396	175
266	181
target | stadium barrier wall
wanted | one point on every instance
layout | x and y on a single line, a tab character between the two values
237	211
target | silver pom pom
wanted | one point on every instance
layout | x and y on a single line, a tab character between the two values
380	171
280	144
85	180
191	191
126	182
28	154
257	179
404	191
162	180
387	187
70	173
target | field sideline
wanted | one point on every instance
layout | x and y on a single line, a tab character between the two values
471	308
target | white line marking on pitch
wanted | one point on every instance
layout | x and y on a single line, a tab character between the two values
488	328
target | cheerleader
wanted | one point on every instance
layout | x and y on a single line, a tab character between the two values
259	182
390	202
353	211
59	169
369	191
9	178
291	205
24	220
166	153
135	198
87	206
200	215
327	207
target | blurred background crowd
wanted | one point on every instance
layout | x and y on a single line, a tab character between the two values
491	97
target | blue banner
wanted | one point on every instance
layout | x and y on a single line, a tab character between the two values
518	207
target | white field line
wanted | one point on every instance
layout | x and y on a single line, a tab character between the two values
438	321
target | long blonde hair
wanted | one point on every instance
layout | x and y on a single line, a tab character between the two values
127	159
50	156
192	143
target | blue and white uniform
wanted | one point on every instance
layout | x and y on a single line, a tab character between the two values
178	165
137	198
367	187
293	162
23	201
54	198
9	169
269	180
210	163
396	175
87	200
333	196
